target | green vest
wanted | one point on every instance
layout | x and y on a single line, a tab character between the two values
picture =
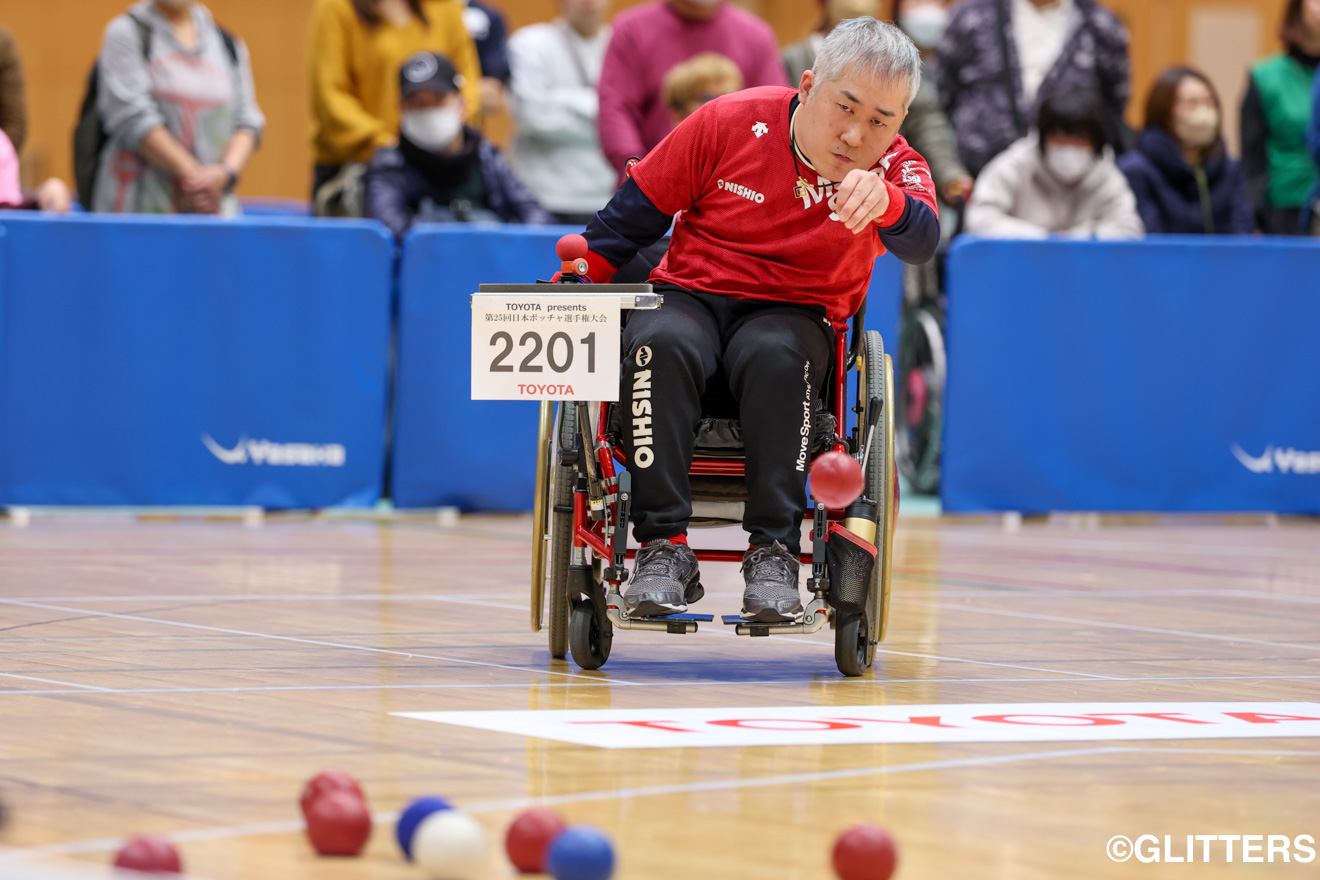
1285	93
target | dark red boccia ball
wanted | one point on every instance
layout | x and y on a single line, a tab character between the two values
150	855
326	782
865	852
529	839
836	479
338	824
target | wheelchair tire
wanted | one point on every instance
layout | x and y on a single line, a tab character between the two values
853	651
561	534
922	369
590	646
856	635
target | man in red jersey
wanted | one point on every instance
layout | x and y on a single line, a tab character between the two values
784	199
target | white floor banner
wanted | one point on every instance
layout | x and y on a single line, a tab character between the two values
817	725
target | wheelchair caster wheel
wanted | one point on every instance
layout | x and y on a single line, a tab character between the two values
587	640
852	644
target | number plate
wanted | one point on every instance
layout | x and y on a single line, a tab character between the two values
545	347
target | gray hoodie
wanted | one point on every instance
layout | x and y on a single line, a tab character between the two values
199	95
1017	197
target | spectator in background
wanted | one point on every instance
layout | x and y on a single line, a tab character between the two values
556	150
1061	180
799	57
1275	112
652	38
52	196
357	49
490	34
698	81
442	171
927	128
1184	180
1000	58
13	96
177	102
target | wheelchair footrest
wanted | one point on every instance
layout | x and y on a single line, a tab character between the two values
700	618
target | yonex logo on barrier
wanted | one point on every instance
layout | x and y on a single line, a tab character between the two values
264	452
1285	461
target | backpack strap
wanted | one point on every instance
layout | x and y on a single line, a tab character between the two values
231	44
144	35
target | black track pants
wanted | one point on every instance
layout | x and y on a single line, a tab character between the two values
774	357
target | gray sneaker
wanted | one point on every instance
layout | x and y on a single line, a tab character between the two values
771	574
665	581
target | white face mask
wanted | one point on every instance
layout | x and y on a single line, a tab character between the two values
1069	164
1198	127
925	24
432	129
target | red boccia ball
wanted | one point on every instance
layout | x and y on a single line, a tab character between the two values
836	479
865	852
529	839
338	824
571	247
150	855
327	781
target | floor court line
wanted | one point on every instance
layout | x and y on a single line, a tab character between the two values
570	684
1108	625
98	845
68	684
294	639
1101	593
480	663
816	644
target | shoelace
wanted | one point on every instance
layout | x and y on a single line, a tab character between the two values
768	561
661	553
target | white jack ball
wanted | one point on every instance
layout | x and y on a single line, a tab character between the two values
450	845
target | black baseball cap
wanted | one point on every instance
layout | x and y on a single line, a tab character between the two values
427	71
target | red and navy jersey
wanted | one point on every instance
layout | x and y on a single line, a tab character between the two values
746	226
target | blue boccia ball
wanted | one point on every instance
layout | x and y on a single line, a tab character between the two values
581	853
410	818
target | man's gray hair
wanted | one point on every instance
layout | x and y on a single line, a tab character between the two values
870	48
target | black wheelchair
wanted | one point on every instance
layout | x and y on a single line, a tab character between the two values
583	498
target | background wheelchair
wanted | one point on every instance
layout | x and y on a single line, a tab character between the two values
583	499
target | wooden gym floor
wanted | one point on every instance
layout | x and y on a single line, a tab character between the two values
184	676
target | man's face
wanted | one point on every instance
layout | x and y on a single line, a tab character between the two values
848	123
586	16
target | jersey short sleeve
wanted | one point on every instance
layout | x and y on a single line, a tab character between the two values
908	173
682	167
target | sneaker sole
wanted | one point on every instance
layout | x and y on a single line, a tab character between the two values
656	609
770	615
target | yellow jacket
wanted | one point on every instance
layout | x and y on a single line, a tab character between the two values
355	74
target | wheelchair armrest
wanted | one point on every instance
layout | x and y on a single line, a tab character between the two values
858	332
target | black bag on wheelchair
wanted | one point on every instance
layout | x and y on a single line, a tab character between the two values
851	559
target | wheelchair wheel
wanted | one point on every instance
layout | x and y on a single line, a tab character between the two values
853	651
589	643
561	534
922	368
856	635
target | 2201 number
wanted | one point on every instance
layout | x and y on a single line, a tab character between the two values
558	352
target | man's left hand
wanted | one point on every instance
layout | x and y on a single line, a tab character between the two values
862	198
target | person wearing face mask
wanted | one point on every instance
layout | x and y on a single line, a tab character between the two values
1275	111
648	41
442	171
177	102
1183	178
1000	58
1060	180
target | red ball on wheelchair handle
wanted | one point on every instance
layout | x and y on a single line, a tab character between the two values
571	247
836	479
